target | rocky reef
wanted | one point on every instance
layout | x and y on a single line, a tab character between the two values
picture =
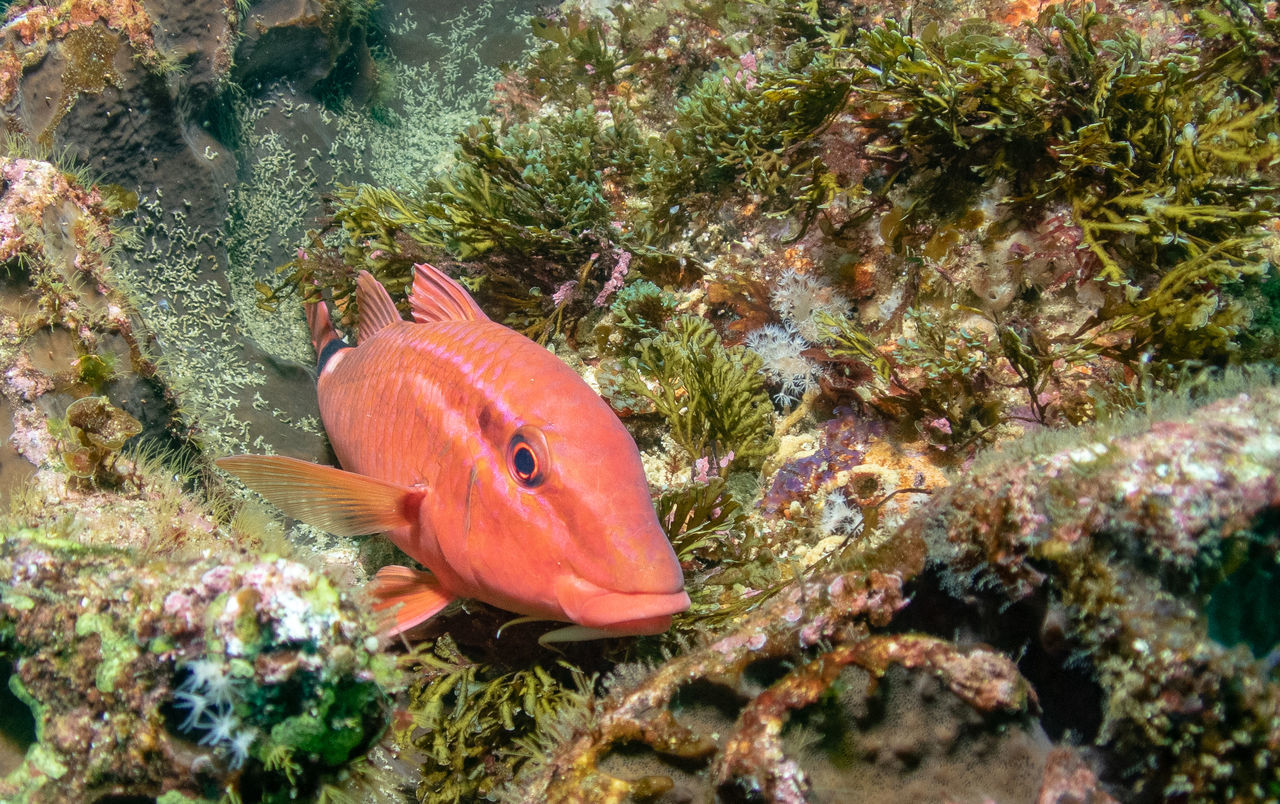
198	677
946	331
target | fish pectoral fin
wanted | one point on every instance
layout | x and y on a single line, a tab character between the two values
321	328
410	596
340	502
436	297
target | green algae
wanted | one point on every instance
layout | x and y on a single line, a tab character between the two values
478	723
641	309
722	552
117	651
1155	154
96	432
331	732
549	189
43	760
712	396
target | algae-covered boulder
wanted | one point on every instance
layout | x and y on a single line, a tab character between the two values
228	673
1145	552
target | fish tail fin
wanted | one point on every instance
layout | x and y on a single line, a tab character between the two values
322	331
409	596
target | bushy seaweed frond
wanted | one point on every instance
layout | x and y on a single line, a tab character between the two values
1157	151
756	134
642	309
694	516
953	374
844	339
474	722
722	553
1162	160
538	189
712	396
1245	37
577	50
968	105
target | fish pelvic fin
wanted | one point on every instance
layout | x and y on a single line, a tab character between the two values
436	297
377	310
342	503
322	331
408	596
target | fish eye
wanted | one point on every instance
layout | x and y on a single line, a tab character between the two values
524	461
527	456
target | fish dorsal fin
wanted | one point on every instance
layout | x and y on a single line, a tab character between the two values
436	297
377	310
342	503
409	596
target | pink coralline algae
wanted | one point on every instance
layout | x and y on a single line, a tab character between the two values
565	292
615	279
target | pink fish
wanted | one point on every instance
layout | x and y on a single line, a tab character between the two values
485	458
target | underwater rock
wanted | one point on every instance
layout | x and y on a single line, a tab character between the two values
746	718
133	634
111	84
68	334
146	97
1128	534
300	41
638	710
223	674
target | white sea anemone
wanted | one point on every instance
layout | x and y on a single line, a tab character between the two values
838	516
240	745
200	673
797	297
222	727
200	707
781	350
210	678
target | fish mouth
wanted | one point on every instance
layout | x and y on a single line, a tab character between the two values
620	613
